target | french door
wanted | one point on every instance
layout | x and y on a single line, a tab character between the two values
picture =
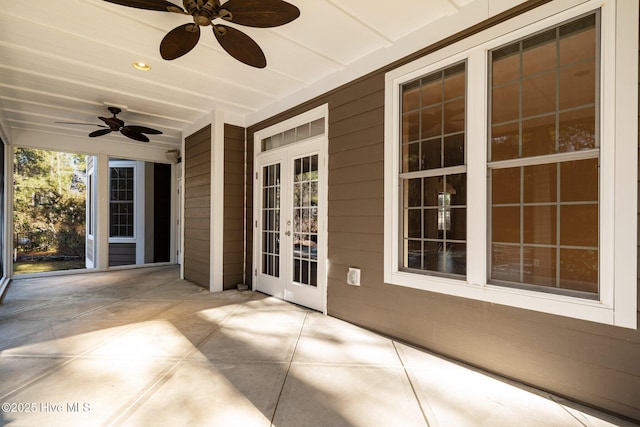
290	212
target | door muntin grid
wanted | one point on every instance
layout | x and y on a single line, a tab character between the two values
271	192
305	220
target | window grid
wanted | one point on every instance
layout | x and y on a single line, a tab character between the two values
522	79
271	220
122	202
289	136
305	227
434	157
587	144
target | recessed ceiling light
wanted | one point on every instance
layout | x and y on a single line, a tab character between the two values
142	66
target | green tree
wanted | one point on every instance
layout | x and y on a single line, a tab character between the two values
49	199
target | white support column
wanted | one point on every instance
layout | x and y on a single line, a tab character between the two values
139	210
7	205
217	201
102	211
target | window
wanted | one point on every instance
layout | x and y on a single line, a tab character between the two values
433	176
522	188
121	207
544	160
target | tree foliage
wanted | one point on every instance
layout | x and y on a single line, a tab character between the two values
49	197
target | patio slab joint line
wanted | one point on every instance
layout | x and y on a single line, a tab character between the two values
427	413
161	379
286	375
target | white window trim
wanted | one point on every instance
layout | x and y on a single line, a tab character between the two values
618	156
138	202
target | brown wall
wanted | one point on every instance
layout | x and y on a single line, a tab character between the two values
197	207
592	363
233	245
122	254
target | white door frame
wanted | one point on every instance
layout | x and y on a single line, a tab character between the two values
90	221
283	288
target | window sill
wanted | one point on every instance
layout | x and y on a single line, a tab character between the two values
559	305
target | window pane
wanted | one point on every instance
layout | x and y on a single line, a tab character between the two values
410	127
540	265
434	207
454	116
505	186
431	90
539	224
577	130
505	142
454	82
505	103
432	188
121	202
431	154
435	233
579	225
431	227
506	224
540	183
579	181
505	263
505	65
539	53
414	223
454	150
414	254
411	157
440	111
545	215
413	192
578	85
552	105
539	95
411	96
458	229
539	136
578	40
432	121
457	188
579	270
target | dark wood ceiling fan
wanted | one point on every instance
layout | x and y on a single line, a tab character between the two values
251	13
114	124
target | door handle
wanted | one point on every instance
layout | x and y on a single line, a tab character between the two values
287	233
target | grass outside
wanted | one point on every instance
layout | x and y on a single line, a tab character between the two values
44	266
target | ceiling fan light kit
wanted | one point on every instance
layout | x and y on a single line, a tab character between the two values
250	13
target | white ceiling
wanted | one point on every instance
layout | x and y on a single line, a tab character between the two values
66	60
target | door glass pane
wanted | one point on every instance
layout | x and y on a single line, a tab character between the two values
271	220
305	220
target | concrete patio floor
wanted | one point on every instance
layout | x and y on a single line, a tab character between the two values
141	347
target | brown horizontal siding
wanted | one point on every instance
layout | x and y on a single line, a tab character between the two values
197	207
233	241
122	254
592	363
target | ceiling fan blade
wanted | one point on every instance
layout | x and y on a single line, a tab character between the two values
143	129
240	46
160	5
179	41
99	132
260	13
126	131
84	124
